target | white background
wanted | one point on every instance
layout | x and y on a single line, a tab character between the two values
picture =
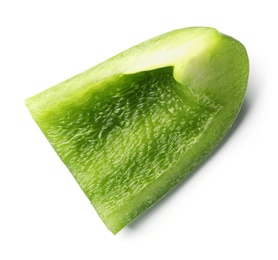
227	209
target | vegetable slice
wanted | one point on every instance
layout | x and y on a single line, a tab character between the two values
132	127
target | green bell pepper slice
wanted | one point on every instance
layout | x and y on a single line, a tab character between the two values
134	126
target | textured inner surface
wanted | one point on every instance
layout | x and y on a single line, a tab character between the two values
121	138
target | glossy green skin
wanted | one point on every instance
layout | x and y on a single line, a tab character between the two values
129	138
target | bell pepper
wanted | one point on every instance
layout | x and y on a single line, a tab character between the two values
131	128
